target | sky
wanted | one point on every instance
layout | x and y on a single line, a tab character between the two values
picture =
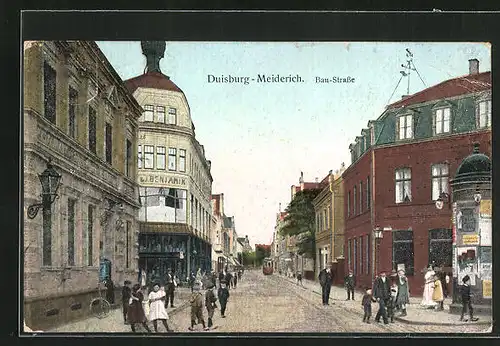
261	136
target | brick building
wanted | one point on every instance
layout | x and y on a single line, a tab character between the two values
401	164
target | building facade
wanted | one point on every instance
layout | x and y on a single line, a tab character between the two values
79	116
218	257
401	166
175	183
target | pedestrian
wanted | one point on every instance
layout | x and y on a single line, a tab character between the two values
437	294
214	279
170	285
466	300
403	297
235	279
366	302
135	312
350	283
221	277
191	281
196	302
157	307
110	291
382	293
229	280
223	294
299	279
126	292
391	305
210	304
240	272
427	301
325	280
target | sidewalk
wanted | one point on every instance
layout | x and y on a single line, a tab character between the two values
417	315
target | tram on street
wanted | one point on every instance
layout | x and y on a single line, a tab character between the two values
267	268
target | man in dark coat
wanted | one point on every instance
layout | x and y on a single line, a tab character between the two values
223	294
229	280
170	284
382	293
210	304
126	291
350	283
466	299
110	291
325	280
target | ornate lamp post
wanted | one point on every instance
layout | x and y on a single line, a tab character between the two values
50	180
377	235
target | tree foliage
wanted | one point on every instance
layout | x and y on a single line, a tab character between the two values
300	220
261	252
248	258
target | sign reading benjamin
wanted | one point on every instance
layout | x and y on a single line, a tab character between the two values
158	178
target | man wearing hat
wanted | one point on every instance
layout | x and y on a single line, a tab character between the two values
223	294
170	285
382	293
466	300
350	283
210	300
196	302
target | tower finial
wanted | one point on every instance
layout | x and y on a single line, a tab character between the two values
154	51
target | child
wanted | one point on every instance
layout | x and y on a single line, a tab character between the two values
391	307
437	294
466	300
135	313
157	307
223	294
196	303
126	293
210	300
366	302
299	279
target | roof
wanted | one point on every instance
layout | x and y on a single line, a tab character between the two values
452	87
154	80
475	167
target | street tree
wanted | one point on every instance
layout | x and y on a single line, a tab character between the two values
299	222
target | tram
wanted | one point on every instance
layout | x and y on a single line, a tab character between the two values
267	268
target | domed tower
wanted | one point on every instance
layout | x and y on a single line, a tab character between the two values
472	255
154	52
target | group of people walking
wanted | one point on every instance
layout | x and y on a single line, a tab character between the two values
141	306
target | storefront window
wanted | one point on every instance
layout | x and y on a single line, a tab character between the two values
163	205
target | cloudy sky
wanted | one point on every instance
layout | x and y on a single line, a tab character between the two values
260	136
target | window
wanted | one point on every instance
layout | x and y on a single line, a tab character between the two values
47	236
405	128
403	185
148	156
160	112
354	255
172	156
440	247
361	255
360	197
354	201
90	230
92	130
160	157
349	259
139	156
128	163
402	250
108	143
148	112
440	174
483	114
49	92
348	203
73	101
368	193
442	120
71	231
329	217
317	222
127	244
172	116
368	253
182	160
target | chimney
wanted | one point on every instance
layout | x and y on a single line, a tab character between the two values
280	207
473	66
316	180
301	179
221	204
403	96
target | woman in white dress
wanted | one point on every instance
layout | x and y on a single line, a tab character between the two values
157	309
427	301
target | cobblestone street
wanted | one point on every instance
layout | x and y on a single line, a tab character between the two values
275	304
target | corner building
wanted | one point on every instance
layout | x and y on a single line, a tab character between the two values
175	183
401	165
78	114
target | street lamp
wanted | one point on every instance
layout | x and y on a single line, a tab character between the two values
50	180
443	197
378	234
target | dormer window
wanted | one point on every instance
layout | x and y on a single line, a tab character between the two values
172	116
405	127
441	120
483	114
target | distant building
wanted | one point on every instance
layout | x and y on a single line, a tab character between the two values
401	165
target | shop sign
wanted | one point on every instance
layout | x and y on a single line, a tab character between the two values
487	289
162	179
485	208
470	239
